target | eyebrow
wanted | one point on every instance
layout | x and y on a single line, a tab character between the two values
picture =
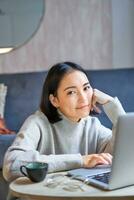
73	87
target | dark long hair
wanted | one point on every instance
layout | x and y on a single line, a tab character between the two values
51	84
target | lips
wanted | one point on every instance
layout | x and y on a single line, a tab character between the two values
84	106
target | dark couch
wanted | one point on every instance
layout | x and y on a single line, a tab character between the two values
23	97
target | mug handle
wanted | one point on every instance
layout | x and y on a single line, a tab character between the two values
22	171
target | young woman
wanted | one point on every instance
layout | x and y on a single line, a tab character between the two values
62	132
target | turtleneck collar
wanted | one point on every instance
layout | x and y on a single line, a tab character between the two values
82	120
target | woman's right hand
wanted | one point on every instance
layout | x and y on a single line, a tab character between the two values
101	98
92	160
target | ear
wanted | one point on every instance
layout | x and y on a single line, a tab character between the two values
53	100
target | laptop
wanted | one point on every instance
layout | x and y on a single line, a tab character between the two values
121	172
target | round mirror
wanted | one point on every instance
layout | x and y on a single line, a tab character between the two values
19	20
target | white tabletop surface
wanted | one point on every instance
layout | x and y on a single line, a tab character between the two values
23	187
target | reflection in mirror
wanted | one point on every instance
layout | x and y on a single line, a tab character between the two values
19	20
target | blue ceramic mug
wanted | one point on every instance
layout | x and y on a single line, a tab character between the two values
36	171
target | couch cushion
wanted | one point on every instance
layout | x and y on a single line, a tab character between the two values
116	82
24	92
23	97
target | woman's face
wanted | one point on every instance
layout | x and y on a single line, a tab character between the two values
74	96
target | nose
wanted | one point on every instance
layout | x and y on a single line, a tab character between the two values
82	97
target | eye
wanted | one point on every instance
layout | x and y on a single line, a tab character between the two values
87	87
71	92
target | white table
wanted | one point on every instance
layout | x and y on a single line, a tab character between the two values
24	188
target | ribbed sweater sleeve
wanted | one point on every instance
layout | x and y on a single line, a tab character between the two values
25	149
113	109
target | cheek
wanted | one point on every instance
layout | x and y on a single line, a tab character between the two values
69	104
90	95
66	103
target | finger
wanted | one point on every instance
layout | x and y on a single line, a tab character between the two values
94	104
97	160
107	157
102	160
96	109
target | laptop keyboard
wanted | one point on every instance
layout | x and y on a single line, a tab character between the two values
102	177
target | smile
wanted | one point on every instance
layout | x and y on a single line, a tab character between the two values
81	107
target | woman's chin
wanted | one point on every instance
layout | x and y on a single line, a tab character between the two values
84	114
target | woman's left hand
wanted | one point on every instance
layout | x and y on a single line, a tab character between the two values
92	160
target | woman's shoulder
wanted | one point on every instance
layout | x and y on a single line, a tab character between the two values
36	121
37	118
95	124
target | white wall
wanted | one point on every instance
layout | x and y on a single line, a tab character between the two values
75	30
123	33
97	34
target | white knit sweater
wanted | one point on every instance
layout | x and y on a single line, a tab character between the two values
61	144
